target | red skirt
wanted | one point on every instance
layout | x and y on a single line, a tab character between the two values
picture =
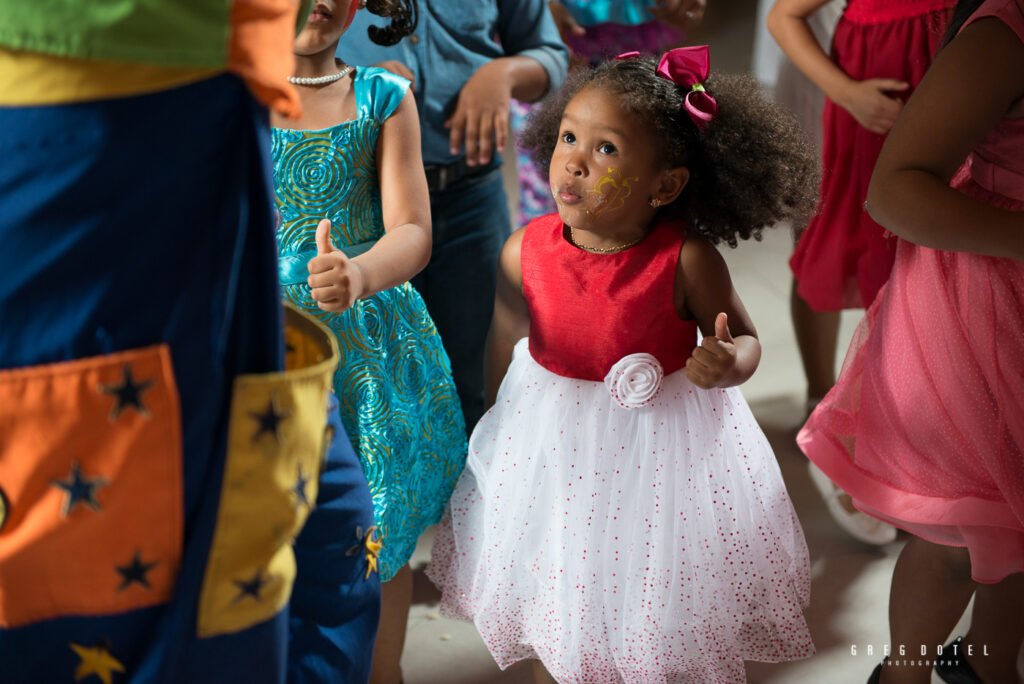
843	257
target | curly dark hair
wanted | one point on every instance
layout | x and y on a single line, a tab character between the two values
404	16
750	168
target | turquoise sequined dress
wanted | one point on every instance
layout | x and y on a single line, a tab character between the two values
394	383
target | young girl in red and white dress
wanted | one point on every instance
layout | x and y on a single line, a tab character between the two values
621	517
925	427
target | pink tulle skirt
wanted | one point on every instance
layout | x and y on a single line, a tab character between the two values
925	427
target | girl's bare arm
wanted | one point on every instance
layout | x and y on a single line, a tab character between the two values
511	320
975	81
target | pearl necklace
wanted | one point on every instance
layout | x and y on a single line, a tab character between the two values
603	250
320	80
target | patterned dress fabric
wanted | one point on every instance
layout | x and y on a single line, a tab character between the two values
925	428
620	535
398	402
844	257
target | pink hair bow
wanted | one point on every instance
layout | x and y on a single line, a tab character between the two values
689	67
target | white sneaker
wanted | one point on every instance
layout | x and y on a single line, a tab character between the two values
858	525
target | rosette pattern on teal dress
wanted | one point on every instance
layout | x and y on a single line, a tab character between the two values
394	384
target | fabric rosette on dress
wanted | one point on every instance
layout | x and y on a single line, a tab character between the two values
631	530
634	380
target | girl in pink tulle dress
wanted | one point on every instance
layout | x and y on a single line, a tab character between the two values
925	428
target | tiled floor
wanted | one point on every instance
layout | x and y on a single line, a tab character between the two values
850	580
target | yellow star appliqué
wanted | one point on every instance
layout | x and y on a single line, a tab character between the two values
96	660
369	546
372	548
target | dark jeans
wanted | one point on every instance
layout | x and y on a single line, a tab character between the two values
471	224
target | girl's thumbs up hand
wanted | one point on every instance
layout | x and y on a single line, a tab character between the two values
324	245
335	281
713	363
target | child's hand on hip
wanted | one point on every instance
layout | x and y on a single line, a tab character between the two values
335	281
715	359
870	103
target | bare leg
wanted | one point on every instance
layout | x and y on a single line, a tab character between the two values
396	597
540	675
931	587
997	625
817	334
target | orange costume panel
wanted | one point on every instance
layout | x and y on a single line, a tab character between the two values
91	473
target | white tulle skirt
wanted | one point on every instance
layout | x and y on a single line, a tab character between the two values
655	544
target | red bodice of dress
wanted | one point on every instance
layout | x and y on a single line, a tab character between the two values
877	11
589	310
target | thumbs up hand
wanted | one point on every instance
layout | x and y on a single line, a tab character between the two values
335	281
714	361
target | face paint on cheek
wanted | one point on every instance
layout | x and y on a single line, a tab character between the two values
611	192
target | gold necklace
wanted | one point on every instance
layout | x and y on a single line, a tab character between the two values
603	250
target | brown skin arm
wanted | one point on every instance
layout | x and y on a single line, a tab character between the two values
729	353
975	81
481	113
404	250
511	320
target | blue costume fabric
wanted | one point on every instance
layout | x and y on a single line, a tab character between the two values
398	401
471	222
142	228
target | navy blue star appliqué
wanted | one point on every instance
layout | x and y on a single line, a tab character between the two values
135	572
269	421
252	586
127	394
79	489
300	490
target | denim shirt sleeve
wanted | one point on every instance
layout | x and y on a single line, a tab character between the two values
526	29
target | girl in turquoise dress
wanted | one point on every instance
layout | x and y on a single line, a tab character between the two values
355	227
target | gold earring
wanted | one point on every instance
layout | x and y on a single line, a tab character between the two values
655	202
362	4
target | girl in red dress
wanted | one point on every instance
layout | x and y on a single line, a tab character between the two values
880	51
621	516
